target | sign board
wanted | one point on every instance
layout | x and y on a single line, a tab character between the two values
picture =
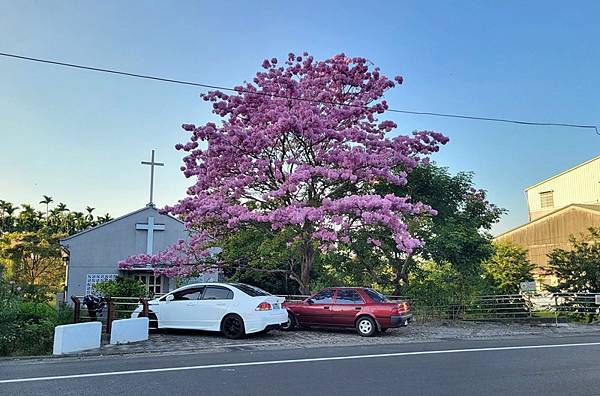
597	299
528	286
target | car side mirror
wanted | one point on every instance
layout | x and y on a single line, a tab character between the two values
310	301
170	297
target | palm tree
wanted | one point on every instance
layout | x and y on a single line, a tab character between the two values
47	200
3	204
103	219
28	219
89	209
61	207
7	221
9	209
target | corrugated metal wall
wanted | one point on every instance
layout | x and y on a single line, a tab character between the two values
545	235
580	185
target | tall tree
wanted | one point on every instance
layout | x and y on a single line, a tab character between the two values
33	257
507	268
7	221
47	200
104	219
29	219
458	234
301	149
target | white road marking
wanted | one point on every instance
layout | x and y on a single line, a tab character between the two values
306	360
244	345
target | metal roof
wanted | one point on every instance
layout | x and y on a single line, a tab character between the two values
115	220
564	172
591	207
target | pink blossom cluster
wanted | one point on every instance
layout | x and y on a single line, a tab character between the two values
302	146
180	259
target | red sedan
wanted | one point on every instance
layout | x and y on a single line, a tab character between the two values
362	308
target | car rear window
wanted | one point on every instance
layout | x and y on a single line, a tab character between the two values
375	296
251	290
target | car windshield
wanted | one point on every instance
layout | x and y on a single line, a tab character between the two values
251	290
375	296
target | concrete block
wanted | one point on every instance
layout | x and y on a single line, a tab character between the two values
129	330
77	337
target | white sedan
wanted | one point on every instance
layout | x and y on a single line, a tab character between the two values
235	309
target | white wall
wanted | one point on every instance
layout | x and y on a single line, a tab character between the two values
77	337
129	330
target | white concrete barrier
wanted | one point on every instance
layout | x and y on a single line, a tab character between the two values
77	337
129	330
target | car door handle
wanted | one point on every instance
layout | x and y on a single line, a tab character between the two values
358	308
325	307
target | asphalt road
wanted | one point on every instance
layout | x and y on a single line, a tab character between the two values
548	366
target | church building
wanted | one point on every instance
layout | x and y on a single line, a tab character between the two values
93	255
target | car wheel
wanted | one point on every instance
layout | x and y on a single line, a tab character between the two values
365	326
233	326
152	321
290	324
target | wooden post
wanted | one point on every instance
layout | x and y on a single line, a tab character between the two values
109	315
76	312
144	303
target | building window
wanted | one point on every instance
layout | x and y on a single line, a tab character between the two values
547	199
153	283
92	279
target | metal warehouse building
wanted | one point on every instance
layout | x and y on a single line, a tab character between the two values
561	206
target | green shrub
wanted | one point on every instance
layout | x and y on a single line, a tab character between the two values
35	327
36	293
27	327
121	287
64	314
9	314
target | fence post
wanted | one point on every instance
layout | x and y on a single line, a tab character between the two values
76	313
556	309
144	303
109	315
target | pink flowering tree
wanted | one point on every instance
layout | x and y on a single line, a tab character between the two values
301	148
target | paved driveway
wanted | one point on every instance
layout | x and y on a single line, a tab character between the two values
187	341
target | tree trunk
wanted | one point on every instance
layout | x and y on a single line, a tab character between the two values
306	263
401	281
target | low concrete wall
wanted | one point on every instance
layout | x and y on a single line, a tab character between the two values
77	337
129	330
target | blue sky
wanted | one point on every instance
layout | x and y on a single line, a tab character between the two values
79	136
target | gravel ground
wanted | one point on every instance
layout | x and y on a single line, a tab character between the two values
180	341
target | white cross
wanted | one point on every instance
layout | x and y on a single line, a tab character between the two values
152	165
150	227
